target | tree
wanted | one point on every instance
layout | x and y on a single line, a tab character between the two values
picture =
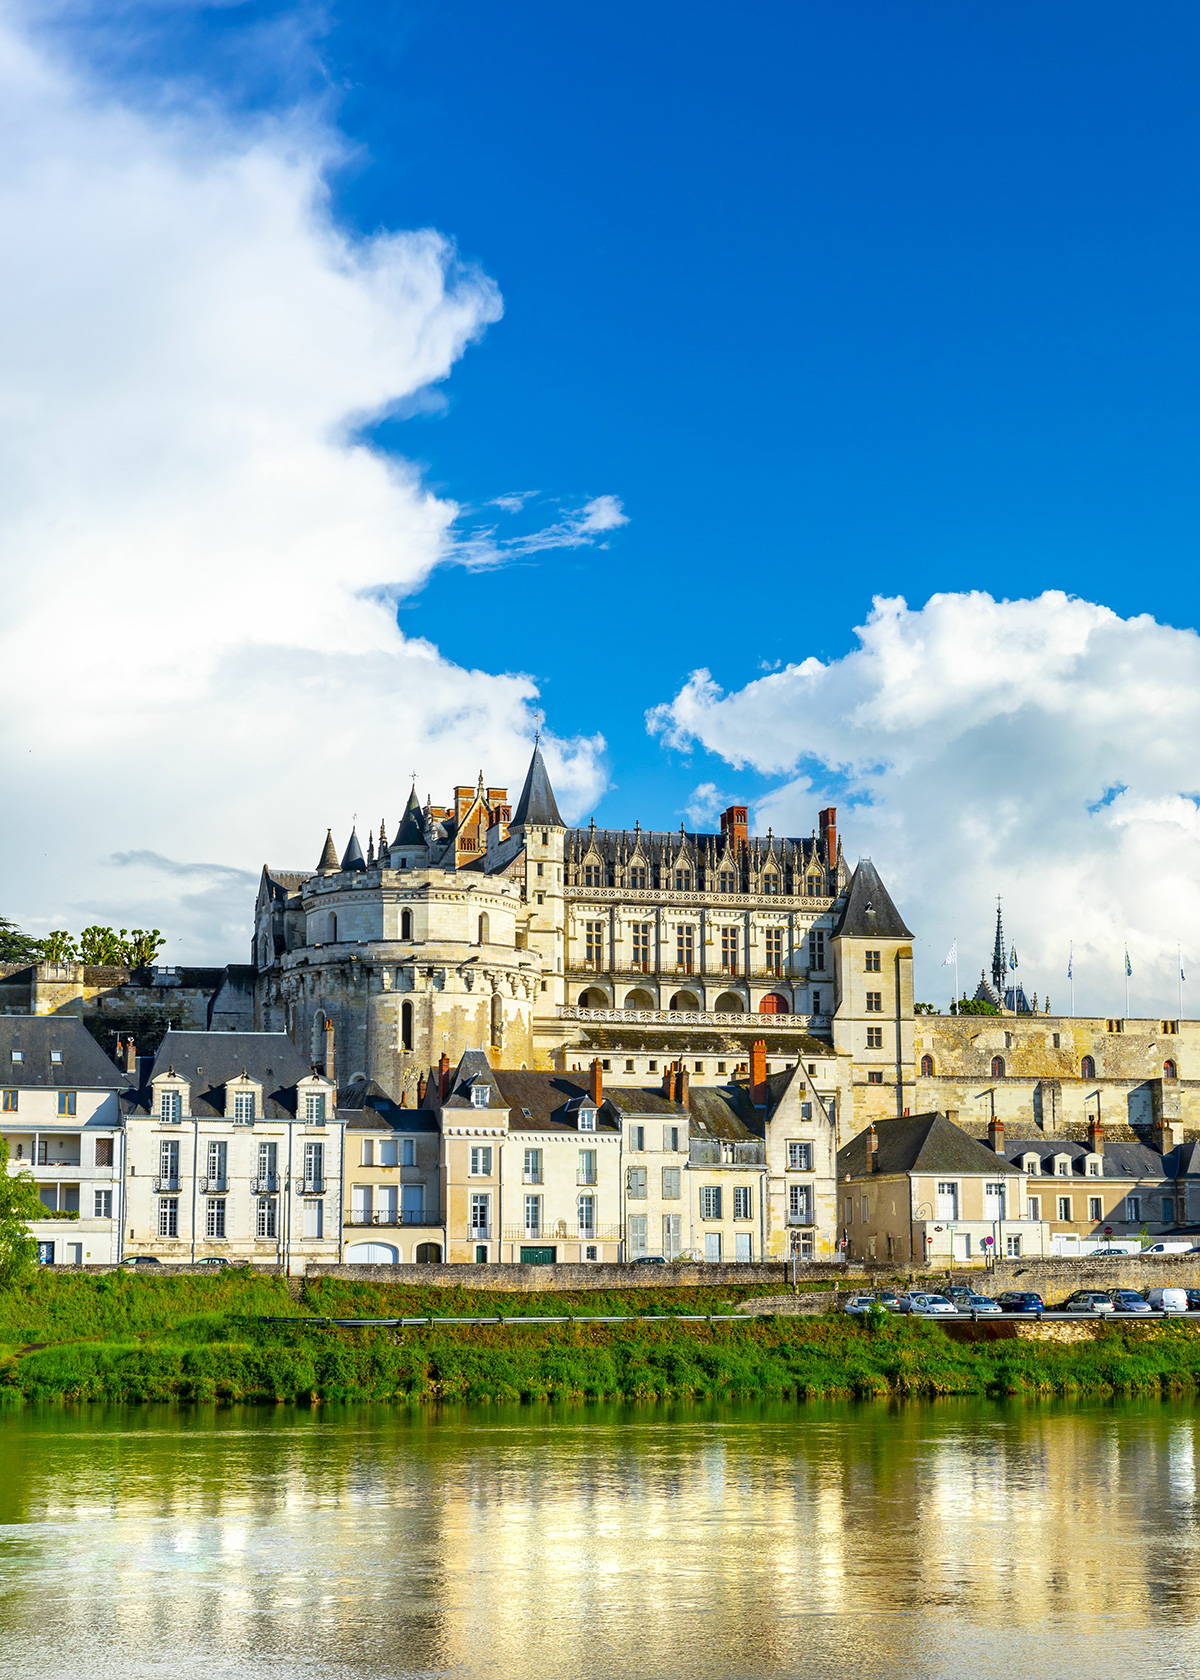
142	947
58	947
106	947
20	1205
973	1006
15	946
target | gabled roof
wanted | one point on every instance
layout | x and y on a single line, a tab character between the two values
537	803
473	1070
722	1111
84	1065
365	1106
869	912
924	1143
209	1060
546	1102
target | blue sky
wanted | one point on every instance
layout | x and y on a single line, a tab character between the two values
840	302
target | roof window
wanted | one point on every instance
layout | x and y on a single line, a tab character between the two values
18	1055
479	1096
587	1119
56	1055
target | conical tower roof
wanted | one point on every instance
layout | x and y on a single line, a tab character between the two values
537	803
354	858
869	911
329	858
412	830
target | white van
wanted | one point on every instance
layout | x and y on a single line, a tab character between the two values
1171	1247
1167	1300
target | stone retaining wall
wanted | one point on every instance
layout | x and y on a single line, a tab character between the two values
768	1274
1057	1276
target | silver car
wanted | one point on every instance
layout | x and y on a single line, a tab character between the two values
922	1304
978	1304
860	1304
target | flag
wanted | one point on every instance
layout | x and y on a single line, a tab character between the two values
1182	975
1012	957
1071	962
1128	970
951	956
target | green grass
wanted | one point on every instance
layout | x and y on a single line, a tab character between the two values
129	1338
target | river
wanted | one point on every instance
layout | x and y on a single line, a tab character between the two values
954	1539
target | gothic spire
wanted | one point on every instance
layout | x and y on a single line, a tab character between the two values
999	960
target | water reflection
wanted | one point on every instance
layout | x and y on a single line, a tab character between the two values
924	1540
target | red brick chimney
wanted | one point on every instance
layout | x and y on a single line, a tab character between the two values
1095	1135
758	1072
996	1135
828	822
872	1149
668	1082
735	826
130	1057
681	1094
444	1077
596	1082
330	1067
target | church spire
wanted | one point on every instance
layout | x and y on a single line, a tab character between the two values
999	960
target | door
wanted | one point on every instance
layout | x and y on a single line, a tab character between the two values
993	1201
371	1254
742	1242
385	1204
45	1254
74	1254
360	1197
412	1203
537	1256
712	1245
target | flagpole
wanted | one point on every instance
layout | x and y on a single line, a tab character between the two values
956	975
1071	975
1126	982
1179	965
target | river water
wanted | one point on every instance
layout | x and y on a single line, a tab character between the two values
949	1539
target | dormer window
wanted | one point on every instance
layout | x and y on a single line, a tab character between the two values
170	1106
243	1106
1032	1164
1093	1168
479	1096
1064	1168
587	1119
314	1109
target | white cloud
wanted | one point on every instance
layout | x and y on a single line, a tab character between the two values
575	528
1041	749
199	561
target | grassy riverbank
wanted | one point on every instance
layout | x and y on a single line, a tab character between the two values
127	1338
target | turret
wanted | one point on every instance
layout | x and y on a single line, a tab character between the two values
539	828
328	864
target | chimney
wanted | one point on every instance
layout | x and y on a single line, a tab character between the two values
1095	1135
596	1082
872	1149
404	1099
668	1082
130	1057
444	1077
996	1135
422	1087
330	1069
735	826
1164	1135
828	821
681	1095
758	1072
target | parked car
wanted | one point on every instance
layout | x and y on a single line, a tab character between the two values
1115	1253
1193	1299
1168	1300
1129	1301
888	1298
978	1304
214	1260
141	1260
1170	1247
919	1302
1020	1301
649	1260
957	1292
1087	1300
858	1305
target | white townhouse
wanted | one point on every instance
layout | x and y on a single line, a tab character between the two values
60	1114
235	1150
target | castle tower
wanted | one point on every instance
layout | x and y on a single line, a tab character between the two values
873	1024
537	826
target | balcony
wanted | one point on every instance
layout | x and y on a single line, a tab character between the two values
587	1180
267	1185
310	1187
404	1216
531	1178
715	1152
481	1233
165	1185
732	1020
796	1220
562	1230
212	1186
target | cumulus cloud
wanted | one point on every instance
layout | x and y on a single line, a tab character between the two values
1039	749
200	558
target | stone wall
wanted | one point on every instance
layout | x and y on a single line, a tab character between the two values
553	1279
1055	1278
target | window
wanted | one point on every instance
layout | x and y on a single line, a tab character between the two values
720	1067
712	1246
314	1108
1063	1167
773	954
1012	1247
314	1218
727	881
10	1102
799	1157
217	1152
264	1222
533	1166
993	1200
729	949
168	1216
480	1215
926	1067
947	1201
637	878
697	1067
17	1055
1064	1207
41	1152
481	1161
104	1152
1133	1209
1169	1071
770	885
545	837
741	1201
314	1164
1055	1041
874	1038
997	1067
1114	1026
641	945
1034	1204
56	1055
683	880
592	875
541	871
637	1138
875	1077
636	1183
479	1095
406	1024
816	1003
814	886
587	1166
1087	1068
874	1003
743	1245
816	949
849	1210
168	1163
710	1201
800	1204
671	1138
243	1106
672	1236
872	963
652	1067
268	1154
388	1152
685	941
637	1235
102	1204
587	1119
170	1105
594	944
1168	1210
214	1217
533	1216
670	1184
587	1216
1093	1168
66	1104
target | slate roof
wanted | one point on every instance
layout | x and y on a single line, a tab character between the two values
712	1111
329	857
353	857
365	1106
411	831
537	803
1120	1159
547	1102
473	1069
707	1041
643	1099
923	1143
207	1061
869	911
84	1065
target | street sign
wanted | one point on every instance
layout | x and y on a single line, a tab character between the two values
1108	1230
